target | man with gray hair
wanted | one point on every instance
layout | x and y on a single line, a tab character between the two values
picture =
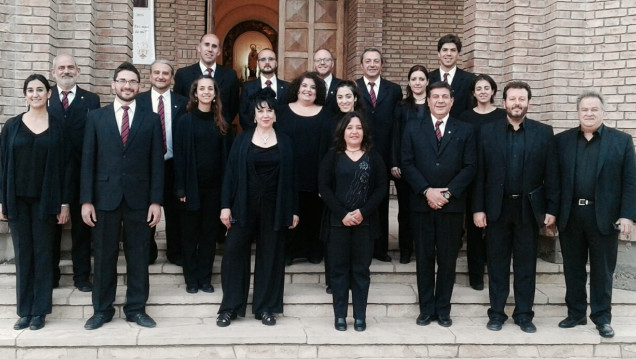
598	201
169	106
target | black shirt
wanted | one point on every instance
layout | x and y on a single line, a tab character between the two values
262	171
31	151
586	162
515	150
208	144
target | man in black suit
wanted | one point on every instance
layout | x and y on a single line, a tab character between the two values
323	65
209	49
169	106
379	98
267	66
448	49
71	104
516	160
598	201
439	162
122	184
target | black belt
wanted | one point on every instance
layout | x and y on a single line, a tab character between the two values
512	196
583	202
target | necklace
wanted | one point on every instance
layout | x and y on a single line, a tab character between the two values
353	151
265	139
419	100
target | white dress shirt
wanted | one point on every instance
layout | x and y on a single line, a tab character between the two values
71	94
167	114
451	74
119	113
204	69
274	84
376	86
442	126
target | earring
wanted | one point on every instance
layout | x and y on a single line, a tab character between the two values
254	120
214	100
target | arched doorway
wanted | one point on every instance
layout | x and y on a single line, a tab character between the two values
237	44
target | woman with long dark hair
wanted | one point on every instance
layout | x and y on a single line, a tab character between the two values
352	184
34	191
201	146
412	108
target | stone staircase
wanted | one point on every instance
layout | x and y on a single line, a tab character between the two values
186	322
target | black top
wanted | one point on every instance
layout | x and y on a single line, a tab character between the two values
311	137
405	113
30	159
352	181
208	145
479	119
586	161
515	149
262	171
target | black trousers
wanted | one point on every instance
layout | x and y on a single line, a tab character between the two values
580	240
33	239
438	238
199	233
171	219
404	213
381	246
106	234
516	238
269	268
350	253
475	248
80	247
304	241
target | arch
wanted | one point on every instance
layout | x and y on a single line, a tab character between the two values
236	31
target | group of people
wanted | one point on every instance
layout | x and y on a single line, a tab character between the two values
308	178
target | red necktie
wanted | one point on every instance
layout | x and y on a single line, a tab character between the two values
65	99
438	132
372	94
124	125
209	71
446	77
162	116
268	83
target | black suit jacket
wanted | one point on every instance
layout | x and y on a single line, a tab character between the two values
177	102
73	122
461	90
111	172
615	186
330	101
248	89
226	80
539	168
380	118
452	165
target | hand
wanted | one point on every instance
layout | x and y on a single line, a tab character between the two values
2	216
64	215
550	225
435	198
182	199
479	218
154	215
396	172
294	222
625	225
226	217
351	220
88	214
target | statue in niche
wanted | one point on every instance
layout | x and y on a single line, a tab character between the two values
252	60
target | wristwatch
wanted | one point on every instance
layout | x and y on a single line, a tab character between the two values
446	194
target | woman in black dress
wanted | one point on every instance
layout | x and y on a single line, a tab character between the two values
483	90
412	108
201	146
310	126
352	183
258	201
34	192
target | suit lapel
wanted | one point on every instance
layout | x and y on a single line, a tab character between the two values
54	102
365	91
500	137
602	154
449	132
281	93
138	119
111	123
571	154
531	134
428	132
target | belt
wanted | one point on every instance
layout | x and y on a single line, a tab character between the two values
583	202
512	196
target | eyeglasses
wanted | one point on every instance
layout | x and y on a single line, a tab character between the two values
265	59
123	82
325	60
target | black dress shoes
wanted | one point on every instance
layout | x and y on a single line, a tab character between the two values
570	322
478	286
423	320
192	289
405	259
359	325
605	330
22	323
266	318
142	319
37	322
225	318
444	321
84	286
383	257
208	288
340	324
314	260
328	290
526	325
494	324
96	321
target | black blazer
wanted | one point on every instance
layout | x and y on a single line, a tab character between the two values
251	87
234	192
452	165
539	168
224	77
56	186
380	118
461	90
615	189
186	182
112	173
74	121
178	103
330	101
404	113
